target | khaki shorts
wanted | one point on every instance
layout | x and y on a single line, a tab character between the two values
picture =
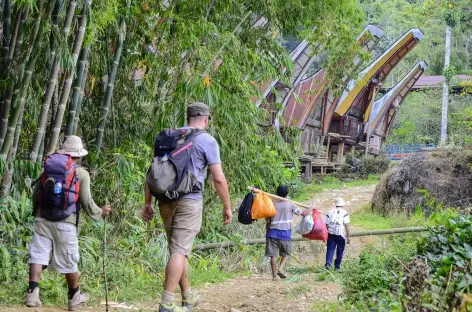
60	238
182	221
276	246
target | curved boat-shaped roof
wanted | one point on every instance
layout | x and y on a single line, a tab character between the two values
267	87
307	92
378	69
385	108
368	42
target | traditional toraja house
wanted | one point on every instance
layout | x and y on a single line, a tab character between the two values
332	125
307	107
352	111
384	110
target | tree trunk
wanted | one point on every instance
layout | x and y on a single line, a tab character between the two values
445	95
68	81
110	86
79	83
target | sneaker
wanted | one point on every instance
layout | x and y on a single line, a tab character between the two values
192	302
172	308
32	299
78	300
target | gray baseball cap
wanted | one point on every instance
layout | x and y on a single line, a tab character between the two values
198	109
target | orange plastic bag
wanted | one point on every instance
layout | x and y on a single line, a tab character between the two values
319	232
262	207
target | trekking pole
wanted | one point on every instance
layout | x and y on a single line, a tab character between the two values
104	260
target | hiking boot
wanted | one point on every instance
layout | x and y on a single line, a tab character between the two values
172	308
192	302
78	300
32	299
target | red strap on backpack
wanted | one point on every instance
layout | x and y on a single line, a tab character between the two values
69	181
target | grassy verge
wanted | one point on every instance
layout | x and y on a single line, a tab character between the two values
329	182
365	218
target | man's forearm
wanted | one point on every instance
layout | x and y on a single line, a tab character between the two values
222	189
348	231
147	195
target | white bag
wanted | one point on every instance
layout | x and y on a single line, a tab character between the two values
306	225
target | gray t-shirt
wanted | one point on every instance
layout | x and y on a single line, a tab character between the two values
205	152
283	219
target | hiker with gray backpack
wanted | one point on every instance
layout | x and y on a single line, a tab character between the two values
59	195
175	178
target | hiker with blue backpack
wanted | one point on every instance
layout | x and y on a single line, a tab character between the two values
61	192
339	233
175	178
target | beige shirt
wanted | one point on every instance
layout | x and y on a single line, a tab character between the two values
86	201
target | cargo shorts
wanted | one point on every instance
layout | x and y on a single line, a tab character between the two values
182	220
276	246
60	238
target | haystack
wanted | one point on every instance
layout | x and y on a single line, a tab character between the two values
443	175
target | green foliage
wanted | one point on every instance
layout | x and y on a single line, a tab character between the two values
367	277
418	119
448	252
395	17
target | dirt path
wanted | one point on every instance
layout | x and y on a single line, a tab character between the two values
300	292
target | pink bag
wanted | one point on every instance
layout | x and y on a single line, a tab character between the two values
319	232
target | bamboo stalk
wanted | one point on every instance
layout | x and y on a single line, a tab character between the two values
8	175
14	35
6	35
69	17
110	86
298	238
79	83
79	38
43	116
39	159
14	85
19	107
16	44
6	112
280	198
4	103
35	32
80	100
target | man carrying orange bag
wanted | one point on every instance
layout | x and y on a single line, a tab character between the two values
279	232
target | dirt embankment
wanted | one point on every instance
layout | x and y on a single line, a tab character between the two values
442	175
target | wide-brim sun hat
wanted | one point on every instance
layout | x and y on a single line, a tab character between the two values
73	146
339	202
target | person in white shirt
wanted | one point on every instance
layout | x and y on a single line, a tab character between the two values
337	223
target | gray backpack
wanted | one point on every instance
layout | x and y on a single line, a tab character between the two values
168	177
